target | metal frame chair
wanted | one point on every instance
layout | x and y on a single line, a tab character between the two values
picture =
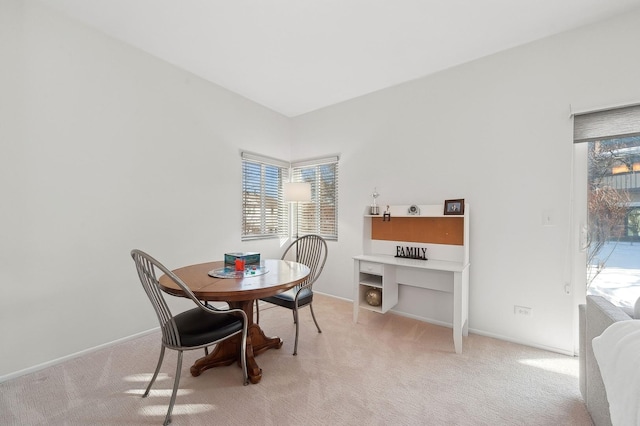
196	328
310	250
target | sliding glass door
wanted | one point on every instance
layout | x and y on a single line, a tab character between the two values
613	220
606	205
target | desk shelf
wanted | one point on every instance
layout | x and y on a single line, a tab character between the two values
370	280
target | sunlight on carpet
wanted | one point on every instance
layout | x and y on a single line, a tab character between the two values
568	366
145	377
165	393
178	409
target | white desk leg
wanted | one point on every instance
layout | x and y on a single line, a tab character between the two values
457	312
356	289
460	307
465	301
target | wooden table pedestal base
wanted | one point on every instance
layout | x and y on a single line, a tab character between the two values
228	351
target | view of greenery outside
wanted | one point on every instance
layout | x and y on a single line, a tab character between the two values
613	200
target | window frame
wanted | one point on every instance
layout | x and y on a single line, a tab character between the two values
320	216
262	196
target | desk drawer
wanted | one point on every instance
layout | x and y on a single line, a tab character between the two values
371	267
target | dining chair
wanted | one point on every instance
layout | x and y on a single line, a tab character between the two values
196	328
310	250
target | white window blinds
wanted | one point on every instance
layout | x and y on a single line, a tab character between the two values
607	124
320	216
264	214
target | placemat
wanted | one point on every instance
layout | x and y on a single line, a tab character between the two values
230	272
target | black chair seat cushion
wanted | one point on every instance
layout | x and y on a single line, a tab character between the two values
287	298
197	327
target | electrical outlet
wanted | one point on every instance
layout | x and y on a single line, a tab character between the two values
522	311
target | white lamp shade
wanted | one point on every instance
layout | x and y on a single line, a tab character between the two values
297	191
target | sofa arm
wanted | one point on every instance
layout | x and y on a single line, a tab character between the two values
599	315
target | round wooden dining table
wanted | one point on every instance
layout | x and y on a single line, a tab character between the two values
239	291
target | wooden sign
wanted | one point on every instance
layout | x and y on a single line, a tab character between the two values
411	252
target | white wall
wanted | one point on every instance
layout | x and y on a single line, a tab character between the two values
105	149
497	133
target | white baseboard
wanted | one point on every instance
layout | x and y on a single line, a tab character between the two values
73	355
333	296
144	333
484	333
423	319
523	342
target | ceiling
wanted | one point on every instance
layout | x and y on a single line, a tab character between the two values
296	56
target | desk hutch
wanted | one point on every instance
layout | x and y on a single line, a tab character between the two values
446	239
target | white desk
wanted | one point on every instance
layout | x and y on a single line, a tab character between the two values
385	272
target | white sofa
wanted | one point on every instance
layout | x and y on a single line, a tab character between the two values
595	317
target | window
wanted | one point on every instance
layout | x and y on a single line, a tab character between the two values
320	216
264	213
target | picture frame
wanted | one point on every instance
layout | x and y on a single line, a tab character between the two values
454	207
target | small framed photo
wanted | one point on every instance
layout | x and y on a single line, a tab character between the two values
454	207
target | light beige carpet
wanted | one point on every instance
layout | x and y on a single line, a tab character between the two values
385	370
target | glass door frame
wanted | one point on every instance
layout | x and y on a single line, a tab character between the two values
579	216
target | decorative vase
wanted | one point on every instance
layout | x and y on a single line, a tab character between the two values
373	296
